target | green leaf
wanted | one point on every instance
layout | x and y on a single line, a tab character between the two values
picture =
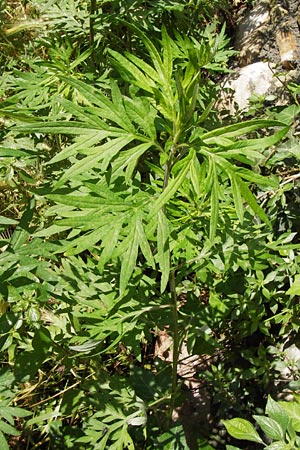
42	417
125	66
106	109
15	153
167	54
279	446
270	427
109	242
295	287
3	442
294	385
14	411
101	203
239	129
28	362
144	243
82	57
172	439
103	152
172	188
251	200
130	255
248	147
79	201
253	177
153	52
86	347
73	128
293	411
288	114
82	243
276	412
132	160
143	114
145	67
22	231
8	429
7	221
123	120
237	198
195	174
82	143
242	429
203	445
137	421
93	120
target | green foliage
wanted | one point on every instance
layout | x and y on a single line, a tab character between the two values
7	412
130	212
280	426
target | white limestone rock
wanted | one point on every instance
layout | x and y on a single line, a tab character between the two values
255	79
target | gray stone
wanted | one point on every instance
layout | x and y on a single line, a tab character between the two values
267	39
268	25
251	34
259	79
287	45
256	78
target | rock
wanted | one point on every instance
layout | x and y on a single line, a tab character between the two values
251	33
287	45
256	78
269	32
267	38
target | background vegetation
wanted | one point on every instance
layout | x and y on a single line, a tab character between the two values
149	259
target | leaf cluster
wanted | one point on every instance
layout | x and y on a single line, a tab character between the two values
129	211
280	426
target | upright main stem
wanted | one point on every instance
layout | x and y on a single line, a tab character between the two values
92	31
172	286
176	349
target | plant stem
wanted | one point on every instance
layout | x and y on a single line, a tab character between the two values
92	34
176	349
172	286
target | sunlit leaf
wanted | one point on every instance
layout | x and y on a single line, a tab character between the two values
242	429
130	256
251	200
3	442
277	413
172	187
295	287
270	427
238	203
8	429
